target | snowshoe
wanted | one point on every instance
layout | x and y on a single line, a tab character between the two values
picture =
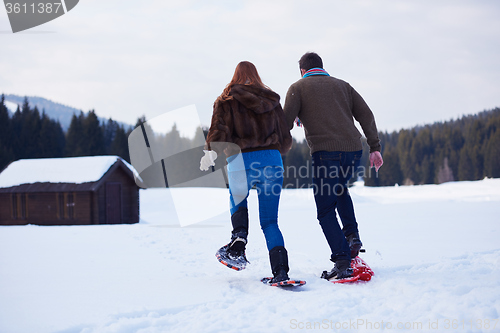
361	272
341	270
278	257
232	255
285	283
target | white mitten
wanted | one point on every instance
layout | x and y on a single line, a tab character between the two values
208	160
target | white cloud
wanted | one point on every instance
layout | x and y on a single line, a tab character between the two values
413	62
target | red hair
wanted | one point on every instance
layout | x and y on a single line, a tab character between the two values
245	73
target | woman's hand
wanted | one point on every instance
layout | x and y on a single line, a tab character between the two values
208	160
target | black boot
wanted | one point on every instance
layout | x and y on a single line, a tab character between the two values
278	257
354	244
239	219
236	247
232	255
341	270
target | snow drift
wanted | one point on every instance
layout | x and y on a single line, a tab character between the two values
434	250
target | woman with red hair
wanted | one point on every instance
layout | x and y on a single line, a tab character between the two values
248	115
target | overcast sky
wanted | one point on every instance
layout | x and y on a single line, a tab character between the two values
414	62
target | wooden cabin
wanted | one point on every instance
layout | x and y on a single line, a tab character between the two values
69	191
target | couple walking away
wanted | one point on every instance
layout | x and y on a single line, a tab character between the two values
249	114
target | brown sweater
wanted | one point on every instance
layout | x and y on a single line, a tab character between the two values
327	107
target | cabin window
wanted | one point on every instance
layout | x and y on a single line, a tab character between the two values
71	206
14	206
60	206
22	199
19	206
65	206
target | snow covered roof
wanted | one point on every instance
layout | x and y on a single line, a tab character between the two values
75	170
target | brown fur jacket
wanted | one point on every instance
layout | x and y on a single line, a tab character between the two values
253	119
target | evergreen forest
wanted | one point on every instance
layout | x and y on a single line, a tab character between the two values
456	150
29	133
464	149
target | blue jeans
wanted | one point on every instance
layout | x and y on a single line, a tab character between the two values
268	182
331	172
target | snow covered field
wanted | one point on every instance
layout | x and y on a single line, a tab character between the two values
435	251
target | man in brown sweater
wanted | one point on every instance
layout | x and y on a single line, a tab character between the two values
327	108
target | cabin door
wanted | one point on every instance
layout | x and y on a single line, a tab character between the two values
113	203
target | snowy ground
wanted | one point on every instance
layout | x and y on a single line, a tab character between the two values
435	250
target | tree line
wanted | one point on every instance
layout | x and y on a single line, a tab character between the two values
30	133
464	149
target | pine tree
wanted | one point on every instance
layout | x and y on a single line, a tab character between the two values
492	155
21	133
16	125
199	137
390	174
26	131
297	165
31	131
75	136
172	143
406	156
6	154
119	146
465	166
52	139
4	121
93	134
26	106
109	130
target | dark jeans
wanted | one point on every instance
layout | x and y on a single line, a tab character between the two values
331	172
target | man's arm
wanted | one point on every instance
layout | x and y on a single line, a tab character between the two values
362	113
292	106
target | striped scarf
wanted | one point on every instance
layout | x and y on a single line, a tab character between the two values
315	71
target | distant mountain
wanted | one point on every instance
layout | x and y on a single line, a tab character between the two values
53	110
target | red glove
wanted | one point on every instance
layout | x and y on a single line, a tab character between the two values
376	160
